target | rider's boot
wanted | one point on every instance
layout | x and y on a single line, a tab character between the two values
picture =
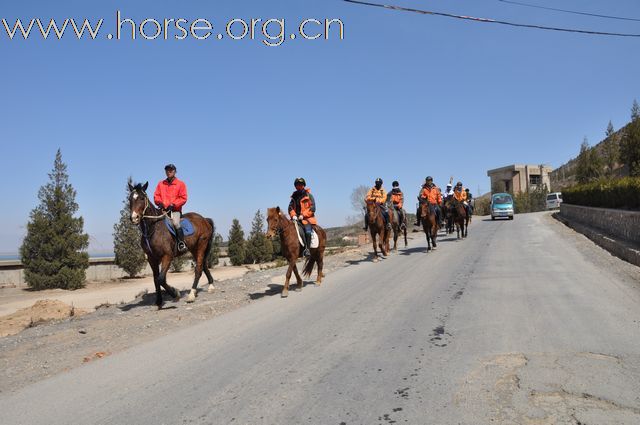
182	247
307	242
366	222
417	223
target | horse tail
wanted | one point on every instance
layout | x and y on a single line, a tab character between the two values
308	266
213	234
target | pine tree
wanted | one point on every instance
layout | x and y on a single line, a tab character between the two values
630	144
54	251
236	248
126	242
259	248
589	165
610	149
214	255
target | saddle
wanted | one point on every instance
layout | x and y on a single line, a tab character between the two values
315	241
187	226
428	208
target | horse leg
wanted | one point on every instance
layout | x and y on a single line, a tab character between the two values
207	273
375	248
165	263
198	273
298	278
405	237
155	268
285	290
434	235
396	233
319	262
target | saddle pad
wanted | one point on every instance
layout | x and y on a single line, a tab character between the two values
187	226
315	242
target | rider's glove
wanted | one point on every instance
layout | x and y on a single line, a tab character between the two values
171	208
300	217
294	218
160	205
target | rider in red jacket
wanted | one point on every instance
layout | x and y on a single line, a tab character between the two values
170	196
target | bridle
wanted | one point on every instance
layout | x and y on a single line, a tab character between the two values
146	207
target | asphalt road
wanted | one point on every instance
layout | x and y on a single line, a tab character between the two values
522	323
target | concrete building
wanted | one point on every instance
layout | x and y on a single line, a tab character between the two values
519	178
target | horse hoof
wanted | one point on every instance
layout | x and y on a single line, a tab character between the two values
375	260
298	289
211	289
318	283
192	296
284	294
176	297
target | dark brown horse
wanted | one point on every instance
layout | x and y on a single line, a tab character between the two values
429	224
459	217
292	250
378	229
160	247
398	228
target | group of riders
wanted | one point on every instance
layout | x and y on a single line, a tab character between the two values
429	194
171	195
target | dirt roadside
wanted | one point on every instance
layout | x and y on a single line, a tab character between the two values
51	348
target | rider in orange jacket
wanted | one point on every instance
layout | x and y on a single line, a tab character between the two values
396	197
430	194
377	195
302	208
170	196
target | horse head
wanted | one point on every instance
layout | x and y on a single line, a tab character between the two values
372	209
273	221
138	201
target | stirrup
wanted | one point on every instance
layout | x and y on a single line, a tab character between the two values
306	252
182	247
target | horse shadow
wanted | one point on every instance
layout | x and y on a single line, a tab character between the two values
414	250
149	299
276	288
366	259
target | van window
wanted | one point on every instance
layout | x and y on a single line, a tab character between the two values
552	197
502	199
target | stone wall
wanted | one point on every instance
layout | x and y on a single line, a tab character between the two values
618	231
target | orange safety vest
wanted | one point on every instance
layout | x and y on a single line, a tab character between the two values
397	199
432	195
307	208
379	196
460	196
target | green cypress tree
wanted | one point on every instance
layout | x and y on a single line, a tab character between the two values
589	165
630	144
610	149
126	241
259	248
54	251
236	248
214	255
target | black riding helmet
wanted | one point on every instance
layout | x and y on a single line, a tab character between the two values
378	181
395	184
298	181
169	167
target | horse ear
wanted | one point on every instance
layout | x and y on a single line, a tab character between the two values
146	185
130	187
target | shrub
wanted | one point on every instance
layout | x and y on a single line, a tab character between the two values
623	193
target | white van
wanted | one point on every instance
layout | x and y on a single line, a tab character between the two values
554	200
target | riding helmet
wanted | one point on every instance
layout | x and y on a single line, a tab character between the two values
429	178
298	181
395	184
169	167
459	184
378	180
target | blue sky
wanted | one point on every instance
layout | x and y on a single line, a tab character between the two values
402	96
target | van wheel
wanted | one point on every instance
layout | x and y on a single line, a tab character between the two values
511	218
493	218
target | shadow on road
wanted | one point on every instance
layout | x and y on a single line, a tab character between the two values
414	250
149	299
276	288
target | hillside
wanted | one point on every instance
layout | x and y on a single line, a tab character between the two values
565	175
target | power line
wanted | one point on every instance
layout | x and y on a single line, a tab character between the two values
575	12
490	21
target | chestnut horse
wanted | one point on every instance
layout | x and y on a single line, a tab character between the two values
160	247
291	248
459	217
398	228
429	224
378	228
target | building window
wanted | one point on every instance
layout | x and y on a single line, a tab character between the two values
535	179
